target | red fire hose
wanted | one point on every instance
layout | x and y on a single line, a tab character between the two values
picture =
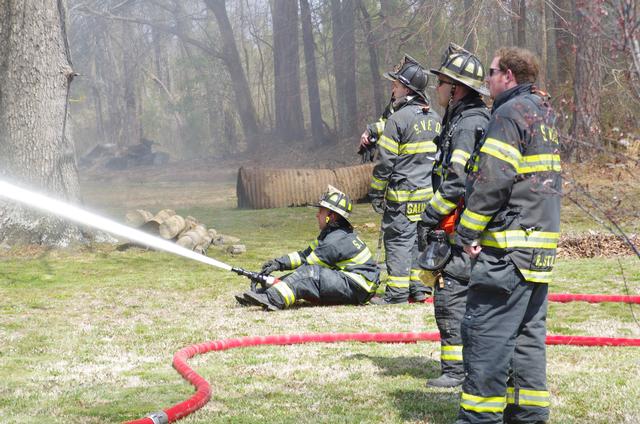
203	389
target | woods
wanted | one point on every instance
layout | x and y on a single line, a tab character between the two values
210	77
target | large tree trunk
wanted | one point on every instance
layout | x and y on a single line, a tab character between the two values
317	128
286	65
35	70
564	41
344	57
239	82
587	83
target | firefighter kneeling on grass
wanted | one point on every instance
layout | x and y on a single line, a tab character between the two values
336	268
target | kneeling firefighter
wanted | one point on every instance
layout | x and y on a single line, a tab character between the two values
459	89
336	268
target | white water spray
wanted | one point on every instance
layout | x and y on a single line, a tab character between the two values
81	216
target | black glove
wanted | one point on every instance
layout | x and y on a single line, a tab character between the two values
423	235
270	266
377	203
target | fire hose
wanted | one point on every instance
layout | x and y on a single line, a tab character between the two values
203	389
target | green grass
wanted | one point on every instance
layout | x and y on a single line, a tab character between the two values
87	335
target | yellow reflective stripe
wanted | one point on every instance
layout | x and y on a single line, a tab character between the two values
482	404
528	397
503	151
460	157
313	244
379	127
377	184
415	274
520	238
363	282
427	146
398	282
441	205
540	163
388	144
537	276
414	218
295	259
313	259
420	194
474	221
451	353
286	292
359	259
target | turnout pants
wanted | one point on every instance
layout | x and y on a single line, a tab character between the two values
316	284
503	332
401	250
449	303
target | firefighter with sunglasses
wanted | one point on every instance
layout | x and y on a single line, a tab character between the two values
460	86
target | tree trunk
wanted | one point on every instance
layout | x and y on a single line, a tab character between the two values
231	59
564	41
521	40
286	65
374	65
35	151
132	128
317	129
544	49
587	83
344	52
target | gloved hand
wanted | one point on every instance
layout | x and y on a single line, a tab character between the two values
377	203
423	235
270	266
364	141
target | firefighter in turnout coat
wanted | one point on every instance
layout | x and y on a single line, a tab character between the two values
401	182
460	83
510	225
336	268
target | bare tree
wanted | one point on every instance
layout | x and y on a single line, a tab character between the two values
344	62
317	127
286	64
374	65
35	70
587	82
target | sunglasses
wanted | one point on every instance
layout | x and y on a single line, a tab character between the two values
442	82
493	71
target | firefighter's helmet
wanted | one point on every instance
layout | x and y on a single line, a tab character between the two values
463	66
336	201
412	75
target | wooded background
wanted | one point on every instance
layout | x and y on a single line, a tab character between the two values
209	77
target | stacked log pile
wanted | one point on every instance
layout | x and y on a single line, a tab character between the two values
187	231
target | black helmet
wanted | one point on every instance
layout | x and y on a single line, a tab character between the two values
463	66
336	201
412	75
437	253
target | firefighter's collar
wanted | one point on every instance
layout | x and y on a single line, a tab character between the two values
511	93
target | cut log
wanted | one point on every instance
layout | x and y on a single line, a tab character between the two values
196	237
138	218
190	223
171	227
163	215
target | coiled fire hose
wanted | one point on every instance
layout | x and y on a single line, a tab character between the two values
203	389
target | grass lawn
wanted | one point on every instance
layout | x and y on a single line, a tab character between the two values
87	336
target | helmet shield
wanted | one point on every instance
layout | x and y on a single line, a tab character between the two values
464	67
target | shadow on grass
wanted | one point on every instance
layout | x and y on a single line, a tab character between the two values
434	406
415	366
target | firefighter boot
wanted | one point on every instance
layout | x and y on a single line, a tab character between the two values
260	299
445	380
241	300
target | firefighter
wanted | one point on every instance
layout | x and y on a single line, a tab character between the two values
460	84
336	268
510	227
401	182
